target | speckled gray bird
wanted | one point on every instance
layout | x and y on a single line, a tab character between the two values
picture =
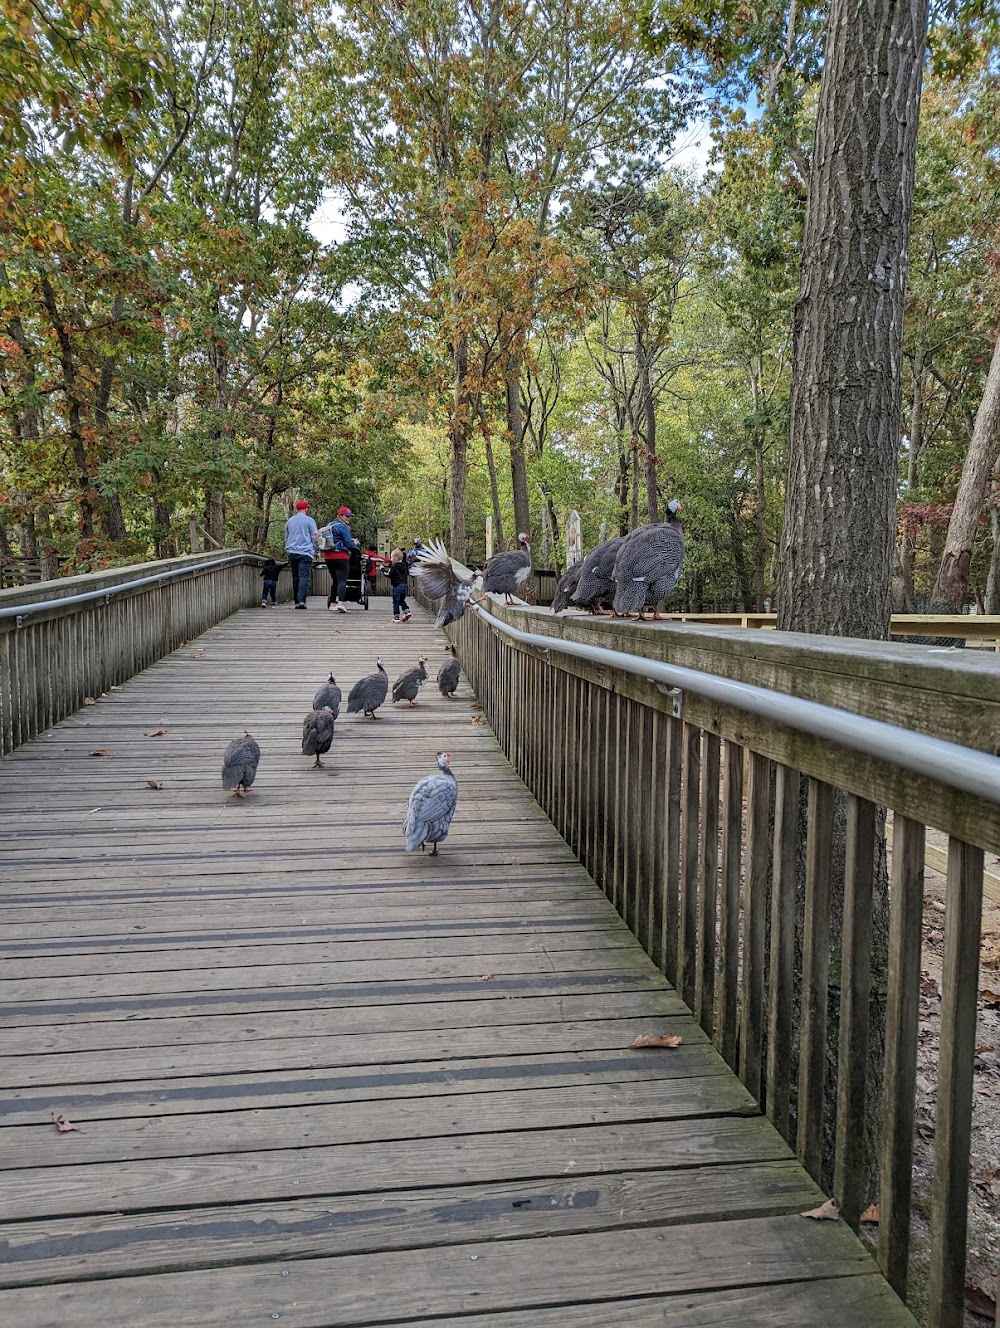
239	765
596	583
648	567
407	686
328	697
449	673
566	587
431	806
317	734
369	692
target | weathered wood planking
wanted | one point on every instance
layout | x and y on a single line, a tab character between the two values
317	1078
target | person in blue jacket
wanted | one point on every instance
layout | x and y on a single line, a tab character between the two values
338	559
301	539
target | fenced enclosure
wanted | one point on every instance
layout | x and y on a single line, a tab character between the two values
63	641
678	784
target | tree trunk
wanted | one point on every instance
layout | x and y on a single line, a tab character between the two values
634	521
74	412
215	518
907	543
991	602
760	527
459	438
621	488
515	430
952	584
491	466
649	418
839	529
840	511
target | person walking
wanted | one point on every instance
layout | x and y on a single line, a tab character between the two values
398	573
270	572
301	539
413	555
338	559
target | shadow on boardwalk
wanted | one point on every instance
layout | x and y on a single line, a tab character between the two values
320	1081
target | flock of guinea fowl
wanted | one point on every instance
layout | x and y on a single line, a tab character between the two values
630	571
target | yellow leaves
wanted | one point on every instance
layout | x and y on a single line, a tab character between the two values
647	1041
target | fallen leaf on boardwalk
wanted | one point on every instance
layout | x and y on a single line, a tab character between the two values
979	1304
154	783
477	719
198	654
98	751
156	733
487	977
89	700
475	705
826	1212
63	1125
870	1217
989	997
655	1040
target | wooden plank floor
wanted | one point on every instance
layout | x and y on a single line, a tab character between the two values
323	1082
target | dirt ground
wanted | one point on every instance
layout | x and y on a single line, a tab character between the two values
984	1189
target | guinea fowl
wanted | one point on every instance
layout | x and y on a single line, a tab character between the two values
430	808
369	692
596	582
407	686
506	572
439	580
648	565
239	764
328	697
317	734
449	673
566	587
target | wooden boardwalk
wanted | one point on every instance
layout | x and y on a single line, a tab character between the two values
321	1082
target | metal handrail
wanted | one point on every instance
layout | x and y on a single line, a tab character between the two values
19	611
947	763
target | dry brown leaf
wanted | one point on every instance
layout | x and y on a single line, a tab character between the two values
198	654
156	733
63	1125
870	1217
487	977
989	997
98	751
89	700
826	1212
477	719
475	705
154	783
655	1040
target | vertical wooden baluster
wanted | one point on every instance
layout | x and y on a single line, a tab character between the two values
729	902
755	924
708	884
672	848
623	808
583	696
644	829
855	994
815	972
902	1018
616	791
782	973
691	796
609	791
635	824
658	835
6	674
956	1061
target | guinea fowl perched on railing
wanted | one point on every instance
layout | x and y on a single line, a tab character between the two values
449	673
317	734
566	586
407	686
239	764
648	565
328	697
431	806
369	692
504	574
596	584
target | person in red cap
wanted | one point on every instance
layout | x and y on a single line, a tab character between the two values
301	540
338	559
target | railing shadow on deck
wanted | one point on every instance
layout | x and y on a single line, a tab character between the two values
679	789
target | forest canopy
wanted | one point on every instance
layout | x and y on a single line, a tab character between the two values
530	304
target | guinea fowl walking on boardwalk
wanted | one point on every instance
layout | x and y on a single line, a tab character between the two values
430	809
407	686
648	565
506	572
317	734
369	692
239	764
449	673
566	587
328	697
596	583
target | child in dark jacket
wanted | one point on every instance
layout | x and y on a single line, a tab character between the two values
398	572
270	572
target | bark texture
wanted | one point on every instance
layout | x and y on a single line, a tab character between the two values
952	584
838	536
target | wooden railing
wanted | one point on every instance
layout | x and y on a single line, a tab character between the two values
63	641
979	627
701	809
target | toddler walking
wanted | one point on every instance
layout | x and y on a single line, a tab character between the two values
269	573
398	572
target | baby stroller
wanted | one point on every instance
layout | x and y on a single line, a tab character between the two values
357	579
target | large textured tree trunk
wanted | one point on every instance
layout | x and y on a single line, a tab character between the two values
840	512
839	530
991	601
649	421
515	430
952	584
461	422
